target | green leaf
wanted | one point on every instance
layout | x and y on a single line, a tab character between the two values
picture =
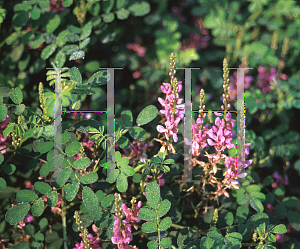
45	147
42	187
163	208
20	19
60	59
69	49
89	178
152	244
290	201
2	184
107	201
185	236
19	109
245	232
146	214
37	208
242	213
126	118
86	30
206	243
129	171
75	75
77	55
12	38
52	199
1	158
89	198
18	212
165	223
122	183
85	125
44	4
123	161
44	170
84	43
3	113
257	195
35	13
253	188
99	78
39	237
16	95
100	195
166	242
138	133
294	219
140	9
61	176
279	191
257	205
67	3
101	222
26	196
243	199
152	193
257	219
124	142
9	169
48	51
280	211
149	227
82	163
229	218
122	14
109	17
279	229
53	24
268	180
71	190
73	148
146	115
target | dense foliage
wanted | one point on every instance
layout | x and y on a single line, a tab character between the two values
147	204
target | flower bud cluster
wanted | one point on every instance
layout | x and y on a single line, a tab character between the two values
174	109
122	228
226	87
42	102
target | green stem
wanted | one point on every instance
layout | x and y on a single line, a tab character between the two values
158	230
63	216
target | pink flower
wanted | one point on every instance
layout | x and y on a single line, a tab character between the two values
279	180
28	218
94	242
220	136
200	136
264	78
136	47
132	214
169	105
4	141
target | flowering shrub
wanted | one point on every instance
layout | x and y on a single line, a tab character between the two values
56	188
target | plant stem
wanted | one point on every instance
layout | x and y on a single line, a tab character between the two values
181	227
63	216
158	230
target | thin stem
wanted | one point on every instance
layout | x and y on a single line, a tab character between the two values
63	216
158	230
181	227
